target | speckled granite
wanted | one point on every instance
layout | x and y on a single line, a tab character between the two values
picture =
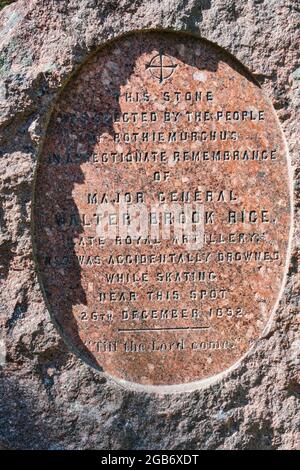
149	105
50	398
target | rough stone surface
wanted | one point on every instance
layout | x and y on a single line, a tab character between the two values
49	398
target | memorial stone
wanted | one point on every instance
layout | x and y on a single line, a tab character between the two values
149	214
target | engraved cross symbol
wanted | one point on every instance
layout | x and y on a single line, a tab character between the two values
161	66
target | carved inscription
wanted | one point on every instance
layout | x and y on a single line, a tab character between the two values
162	210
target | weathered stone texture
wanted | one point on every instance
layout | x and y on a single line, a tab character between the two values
49	398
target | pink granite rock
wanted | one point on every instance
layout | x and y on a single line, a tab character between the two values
50	398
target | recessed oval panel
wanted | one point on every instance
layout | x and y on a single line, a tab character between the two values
162	210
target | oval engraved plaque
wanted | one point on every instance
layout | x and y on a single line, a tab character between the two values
162	210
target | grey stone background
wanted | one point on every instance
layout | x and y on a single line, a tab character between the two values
49	399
